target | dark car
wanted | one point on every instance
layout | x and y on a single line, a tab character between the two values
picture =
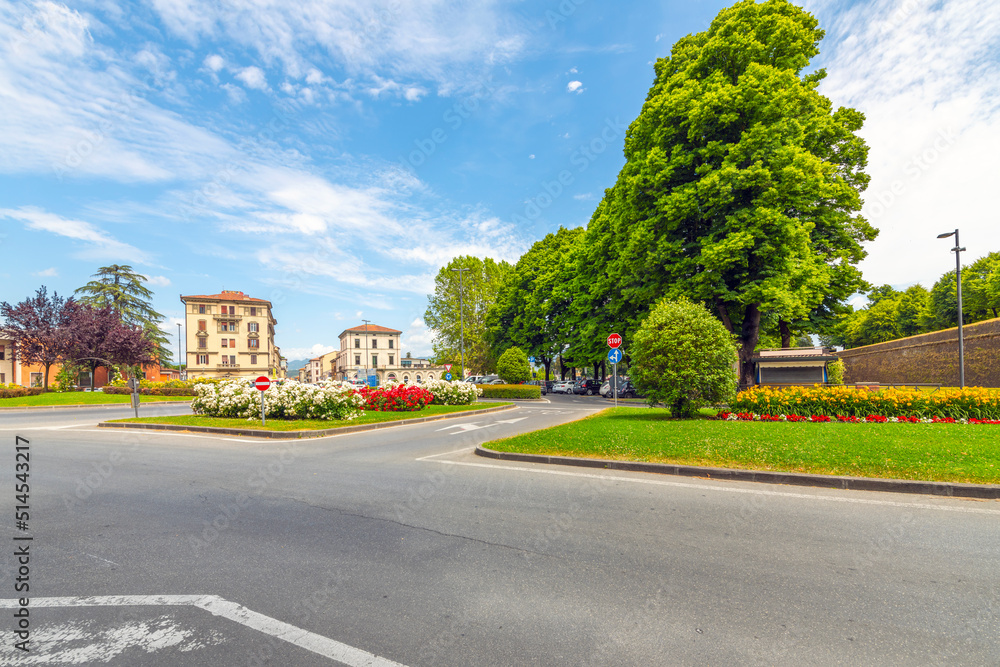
546	385
627	390
588	387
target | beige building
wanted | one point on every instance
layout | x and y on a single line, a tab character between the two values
230	334
374	347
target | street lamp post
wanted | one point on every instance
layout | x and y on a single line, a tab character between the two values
367	353
180	352
958	282
461	316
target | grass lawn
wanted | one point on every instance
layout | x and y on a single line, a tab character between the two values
929	452
81	398
308	424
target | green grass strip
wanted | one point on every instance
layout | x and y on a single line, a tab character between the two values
308	424
927	452
82	398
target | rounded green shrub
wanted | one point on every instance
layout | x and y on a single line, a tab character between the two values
683	357
513	367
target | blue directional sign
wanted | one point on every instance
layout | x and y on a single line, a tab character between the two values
615	355
447	376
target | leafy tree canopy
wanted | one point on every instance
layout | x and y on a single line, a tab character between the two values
741	187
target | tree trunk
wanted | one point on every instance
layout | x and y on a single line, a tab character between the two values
786	334
546	362
749	335
48	365
720	307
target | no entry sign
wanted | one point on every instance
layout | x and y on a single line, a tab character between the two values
614	341
262	383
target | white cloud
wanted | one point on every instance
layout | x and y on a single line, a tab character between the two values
307	352
927	78
159	281
574	87
584	196
314	77
417	339
214	62
97	243
253	77
414	93
48	273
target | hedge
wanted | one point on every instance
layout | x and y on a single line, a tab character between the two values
510	391
152	391
14	391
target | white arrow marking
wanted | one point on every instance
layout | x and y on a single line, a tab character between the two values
510	421
463	427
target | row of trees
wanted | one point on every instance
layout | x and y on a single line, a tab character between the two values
111	321
741	191
892	314
47	330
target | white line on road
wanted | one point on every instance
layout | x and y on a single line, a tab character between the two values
99	558
457	451
146	431
215	605
710	487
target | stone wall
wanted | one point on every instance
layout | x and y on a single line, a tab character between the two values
929	358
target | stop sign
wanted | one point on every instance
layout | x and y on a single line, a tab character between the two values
262	383
614	340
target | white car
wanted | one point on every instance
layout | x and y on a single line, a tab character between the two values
565	387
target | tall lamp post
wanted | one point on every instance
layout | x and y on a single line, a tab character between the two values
958	280
461	317
366	349
180	352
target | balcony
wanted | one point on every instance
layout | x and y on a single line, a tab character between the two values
219	316
227	367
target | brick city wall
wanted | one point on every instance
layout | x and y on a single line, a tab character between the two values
929	358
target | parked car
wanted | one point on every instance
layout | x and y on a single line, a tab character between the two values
474	379
627	390
564	387
606	389
490	379
546	386
587	386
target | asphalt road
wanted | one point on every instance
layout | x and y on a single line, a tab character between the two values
401	544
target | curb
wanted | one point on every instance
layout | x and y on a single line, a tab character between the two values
297	435
979	491
90	405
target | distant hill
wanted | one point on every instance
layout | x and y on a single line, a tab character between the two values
295	364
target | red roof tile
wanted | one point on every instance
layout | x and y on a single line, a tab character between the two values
372	328
227	295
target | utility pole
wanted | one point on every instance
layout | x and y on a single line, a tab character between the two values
461	316
958	280
367	353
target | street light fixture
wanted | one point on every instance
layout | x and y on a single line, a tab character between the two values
461	317
180	352
958	280
367	353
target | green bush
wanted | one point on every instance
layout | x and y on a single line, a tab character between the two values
510	391
683	357
513	367
17	391
835	372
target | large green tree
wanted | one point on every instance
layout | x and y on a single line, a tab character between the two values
741	187
120	288
479	286
532	309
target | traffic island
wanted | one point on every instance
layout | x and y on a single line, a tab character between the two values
378	420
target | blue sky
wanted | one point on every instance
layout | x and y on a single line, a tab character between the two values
333	157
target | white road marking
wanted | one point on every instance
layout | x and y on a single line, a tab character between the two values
457	451
710	487
99	558
232	611
44	428
510	421
464	427
146	431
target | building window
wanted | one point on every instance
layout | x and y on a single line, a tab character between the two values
374	361
391	360
232	342
253	327
253	343
390	343
225	326
202	324
36	380
3	352
232	310
202	343
201	310
3	378
357	343
357	359
203	359
374	343
253	312
225	342
253	359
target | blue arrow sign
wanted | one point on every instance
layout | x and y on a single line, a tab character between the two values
615	355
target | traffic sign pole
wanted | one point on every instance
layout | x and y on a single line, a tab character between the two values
614	356
261	384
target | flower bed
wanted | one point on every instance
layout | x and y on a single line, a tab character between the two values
452	393
959	404
850	419
395	398
286	399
